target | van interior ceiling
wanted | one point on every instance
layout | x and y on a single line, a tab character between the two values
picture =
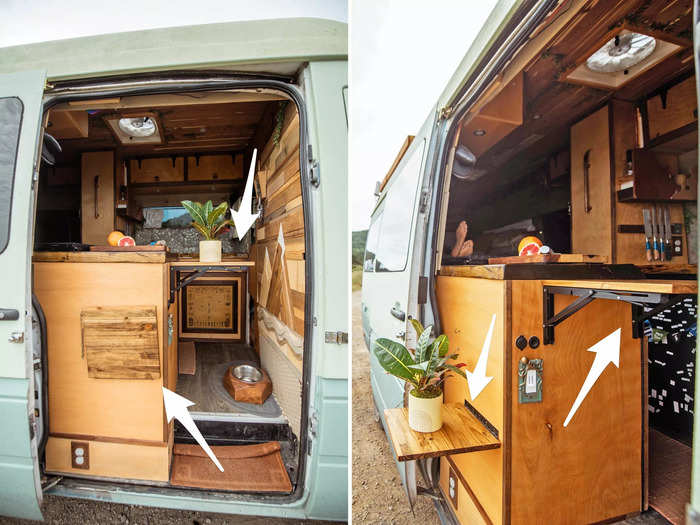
124	322
589	142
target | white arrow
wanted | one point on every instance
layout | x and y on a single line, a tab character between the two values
477	380
243	219
607	351
176	407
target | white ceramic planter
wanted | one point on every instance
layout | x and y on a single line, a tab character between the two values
424	414
210	251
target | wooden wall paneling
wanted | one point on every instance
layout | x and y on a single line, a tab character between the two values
630	247
681	108
80	404
282	174
466	309
151	170
115	460
468	509
215	167
120	342
590	470
591	231
97	196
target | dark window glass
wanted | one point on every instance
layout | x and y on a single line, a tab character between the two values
10	122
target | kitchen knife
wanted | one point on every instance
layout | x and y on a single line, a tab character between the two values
662	236
647	231
655	231
667	231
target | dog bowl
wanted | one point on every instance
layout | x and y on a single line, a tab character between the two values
247	373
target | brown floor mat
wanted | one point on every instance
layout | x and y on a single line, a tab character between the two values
187	358
247	468
669	476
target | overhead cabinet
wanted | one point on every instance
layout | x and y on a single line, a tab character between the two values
224	167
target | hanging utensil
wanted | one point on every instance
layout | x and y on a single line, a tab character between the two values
647	231
662	236
667	231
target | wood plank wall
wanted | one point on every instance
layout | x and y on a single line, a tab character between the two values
278	175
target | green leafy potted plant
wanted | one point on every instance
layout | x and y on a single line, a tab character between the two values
425	371
210	223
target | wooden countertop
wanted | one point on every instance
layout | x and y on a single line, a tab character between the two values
156	257
461	432
102	257
643	285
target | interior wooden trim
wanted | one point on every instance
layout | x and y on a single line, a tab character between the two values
397	160
105	439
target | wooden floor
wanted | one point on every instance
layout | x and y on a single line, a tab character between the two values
669	476
205	387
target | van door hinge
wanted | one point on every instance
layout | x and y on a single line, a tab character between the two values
314	170
340	338
445	112
32	427
424	201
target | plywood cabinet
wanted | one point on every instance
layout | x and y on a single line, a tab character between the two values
215	167
123	408
97	201
543	468
673	108
149	171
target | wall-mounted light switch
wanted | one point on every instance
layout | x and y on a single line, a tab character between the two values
529	380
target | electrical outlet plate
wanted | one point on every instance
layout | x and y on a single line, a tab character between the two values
530	381
80	455
453	487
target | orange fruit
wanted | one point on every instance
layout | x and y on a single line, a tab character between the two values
113	238
127	241
527	243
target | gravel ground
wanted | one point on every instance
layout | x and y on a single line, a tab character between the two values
377	492
69	511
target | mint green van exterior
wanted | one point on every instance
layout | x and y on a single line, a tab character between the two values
307	58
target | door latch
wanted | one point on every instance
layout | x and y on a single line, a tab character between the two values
16	337
8	314
340	338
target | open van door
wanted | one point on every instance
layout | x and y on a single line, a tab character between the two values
387	279
20	118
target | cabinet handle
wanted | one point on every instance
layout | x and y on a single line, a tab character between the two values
97	196
586	193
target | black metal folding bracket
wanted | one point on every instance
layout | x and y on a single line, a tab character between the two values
176	284
587	295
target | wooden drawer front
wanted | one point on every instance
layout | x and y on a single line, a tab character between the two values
215	167
681	108
121	342
108	459
591	213
148	171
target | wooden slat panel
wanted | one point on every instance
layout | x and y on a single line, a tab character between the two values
121	342
460	432
100	257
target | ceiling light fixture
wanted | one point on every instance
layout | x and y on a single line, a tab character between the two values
138	127
621	53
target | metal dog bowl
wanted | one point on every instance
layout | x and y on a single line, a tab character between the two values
247	373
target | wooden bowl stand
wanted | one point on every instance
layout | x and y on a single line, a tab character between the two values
248	392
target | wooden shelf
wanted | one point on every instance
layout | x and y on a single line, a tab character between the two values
461	432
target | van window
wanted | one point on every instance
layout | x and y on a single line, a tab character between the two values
395	235
372	241
10	120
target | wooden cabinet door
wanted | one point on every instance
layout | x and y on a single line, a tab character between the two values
97	205
591	186
149	171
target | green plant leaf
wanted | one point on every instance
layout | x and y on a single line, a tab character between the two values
442	345
207	209
422	344
203	230
216	215
420	366
456	370
417	327
218	227
395	359
195	211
